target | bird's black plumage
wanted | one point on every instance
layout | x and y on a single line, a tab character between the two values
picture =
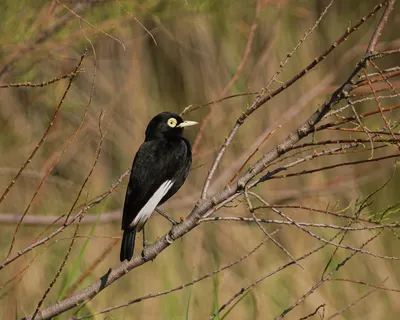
159	169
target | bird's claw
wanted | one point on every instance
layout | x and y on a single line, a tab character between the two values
144	257
174	223
146	244
169	239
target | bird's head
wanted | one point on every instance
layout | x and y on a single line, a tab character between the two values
166	124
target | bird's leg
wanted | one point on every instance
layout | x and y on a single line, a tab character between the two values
145	243
174	223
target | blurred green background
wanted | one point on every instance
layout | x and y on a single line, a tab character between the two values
199	45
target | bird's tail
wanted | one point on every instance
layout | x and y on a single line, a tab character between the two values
128	243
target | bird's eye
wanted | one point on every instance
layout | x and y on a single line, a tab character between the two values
172	122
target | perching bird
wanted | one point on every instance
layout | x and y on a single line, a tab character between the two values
159	169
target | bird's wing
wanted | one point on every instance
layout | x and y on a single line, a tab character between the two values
153	174
151	204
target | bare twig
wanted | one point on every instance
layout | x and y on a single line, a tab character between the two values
251	209
40	143
231	81
153	295
76	14
314	313
254	283
86	208
206	206
308	126
322	281
39	85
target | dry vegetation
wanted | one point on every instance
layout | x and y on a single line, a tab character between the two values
72	118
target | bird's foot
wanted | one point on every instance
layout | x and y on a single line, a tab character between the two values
144	256
169	239
146	244
172	221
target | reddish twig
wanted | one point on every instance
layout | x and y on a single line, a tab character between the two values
39	85
231	81
34	152
86	208
261	99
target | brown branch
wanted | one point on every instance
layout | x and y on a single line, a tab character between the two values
351	304
315	236
44	35
254	283
153	295
315	312
96	159
76	14
39	85
90	269
339	141
377	79
34	152
60	269
191	108
270	134
379	104
3	196
251	209
376	286
231	82
12	218
323	280
86	208
307	127
304	224
205	206
362	115
342	164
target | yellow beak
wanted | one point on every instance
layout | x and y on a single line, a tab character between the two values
186	124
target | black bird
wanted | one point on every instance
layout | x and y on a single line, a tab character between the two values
159	169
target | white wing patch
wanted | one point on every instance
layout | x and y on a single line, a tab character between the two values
153	202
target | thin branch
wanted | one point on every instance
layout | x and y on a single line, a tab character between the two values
307	127
323	280
40	143
92	25
232	81
60	269
379	106
86	208
137	20
315	312
44	35
254	283
153	295
342	164
351	304
90	269
205	206
297	46
315	236
42	84
304	224
251	209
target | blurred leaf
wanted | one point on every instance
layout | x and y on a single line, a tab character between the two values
215	296
188	302
74	274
